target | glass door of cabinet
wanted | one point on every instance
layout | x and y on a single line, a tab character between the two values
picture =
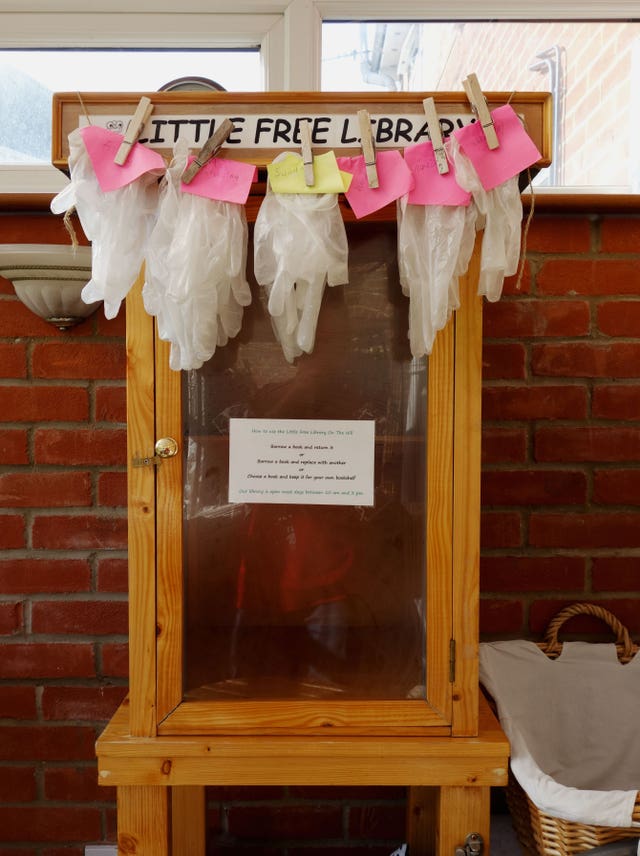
304	582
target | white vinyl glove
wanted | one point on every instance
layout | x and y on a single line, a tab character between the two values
435	243
195	281
117	223
300	245
501	209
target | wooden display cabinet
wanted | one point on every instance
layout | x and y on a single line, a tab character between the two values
301	643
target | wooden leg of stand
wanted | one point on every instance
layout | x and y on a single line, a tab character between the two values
440	818
188	825
461	811
421	820
143	821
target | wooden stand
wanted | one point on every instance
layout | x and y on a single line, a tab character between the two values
164	745
448	778
161	769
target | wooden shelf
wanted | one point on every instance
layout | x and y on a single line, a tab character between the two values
298	760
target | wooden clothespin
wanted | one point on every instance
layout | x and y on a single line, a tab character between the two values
435	132
134	129
209	150
481	109
307	153
368	148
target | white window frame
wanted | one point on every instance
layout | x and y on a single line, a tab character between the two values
288	32
67	24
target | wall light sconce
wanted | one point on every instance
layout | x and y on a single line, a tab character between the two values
48	279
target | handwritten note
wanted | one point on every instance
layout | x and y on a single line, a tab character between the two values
516	151
310	461
102	145
431	188
222	179
287	175
394	178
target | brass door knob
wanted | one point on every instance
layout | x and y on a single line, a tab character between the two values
166	447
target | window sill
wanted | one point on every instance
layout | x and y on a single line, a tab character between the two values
580	202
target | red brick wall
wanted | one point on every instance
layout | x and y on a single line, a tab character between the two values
63	580
561	522
561	419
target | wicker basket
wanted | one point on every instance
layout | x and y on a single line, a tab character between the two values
538	833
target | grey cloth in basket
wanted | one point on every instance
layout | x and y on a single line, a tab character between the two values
573	727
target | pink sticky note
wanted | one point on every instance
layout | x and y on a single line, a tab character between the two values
394	178
516	151
222	179
102	145
431	188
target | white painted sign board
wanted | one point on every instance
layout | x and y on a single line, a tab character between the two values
302	461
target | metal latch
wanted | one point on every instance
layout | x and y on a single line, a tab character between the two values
473	845
149	461
166	447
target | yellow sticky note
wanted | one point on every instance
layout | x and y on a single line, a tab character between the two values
287	175
347	178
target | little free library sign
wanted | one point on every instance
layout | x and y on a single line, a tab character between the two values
268	132
268	123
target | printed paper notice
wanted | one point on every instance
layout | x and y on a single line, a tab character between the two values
302	461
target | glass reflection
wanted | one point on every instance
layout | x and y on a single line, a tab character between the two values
302	601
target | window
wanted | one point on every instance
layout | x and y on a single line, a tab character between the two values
131	33
28	80
591	65
592	68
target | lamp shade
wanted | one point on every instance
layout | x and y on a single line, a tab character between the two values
48	279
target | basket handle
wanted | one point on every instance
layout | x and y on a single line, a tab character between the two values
553	646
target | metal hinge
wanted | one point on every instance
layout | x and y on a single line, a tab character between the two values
452	661
473	845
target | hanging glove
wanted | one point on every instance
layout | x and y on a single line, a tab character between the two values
300	245
195	282
117	223
435	243
501	210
